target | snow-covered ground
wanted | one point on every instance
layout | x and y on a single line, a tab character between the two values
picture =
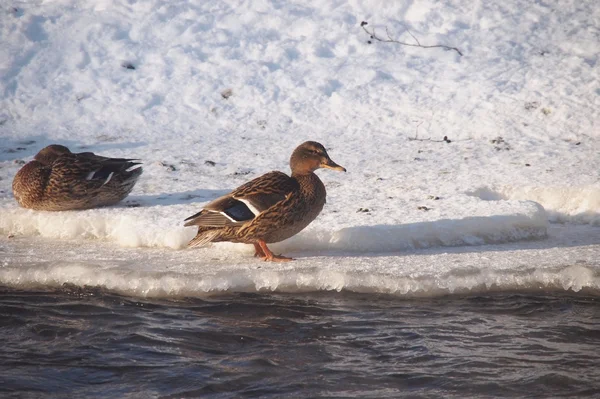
510	200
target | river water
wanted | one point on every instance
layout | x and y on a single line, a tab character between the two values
90	342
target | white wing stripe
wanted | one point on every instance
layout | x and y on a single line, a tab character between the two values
255	211
227	216
108	178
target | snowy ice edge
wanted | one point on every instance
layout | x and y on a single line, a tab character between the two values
138	227
530	222
580	205
168	284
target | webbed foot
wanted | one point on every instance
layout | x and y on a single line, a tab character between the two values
267	255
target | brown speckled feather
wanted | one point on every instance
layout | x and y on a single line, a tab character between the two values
261	193
274	183
68	181
288	217
270	208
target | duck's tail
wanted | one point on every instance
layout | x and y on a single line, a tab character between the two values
133	171
204	236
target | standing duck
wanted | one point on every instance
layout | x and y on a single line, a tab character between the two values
59	180
270	208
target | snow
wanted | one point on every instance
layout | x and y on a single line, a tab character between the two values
511	202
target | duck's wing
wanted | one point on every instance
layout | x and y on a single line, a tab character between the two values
95	169
265	191
246	202
90	156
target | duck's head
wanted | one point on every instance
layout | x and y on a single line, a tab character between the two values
310	156
49	154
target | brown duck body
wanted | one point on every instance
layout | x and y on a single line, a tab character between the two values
274	226
270	208
304	195
58	180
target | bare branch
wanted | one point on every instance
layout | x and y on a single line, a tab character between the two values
413	36
390	39
387	32
417	131
444	140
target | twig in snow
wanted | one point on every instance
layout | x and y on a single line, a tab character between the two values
417	131
389	39
409	32
444	140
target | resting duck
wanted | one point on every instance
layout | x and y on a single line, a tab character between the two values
270	208
59	180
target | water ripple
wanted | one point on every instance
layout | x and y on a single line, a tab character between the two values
91	342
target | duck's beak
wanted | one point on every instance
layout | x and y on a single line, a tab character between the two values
329	164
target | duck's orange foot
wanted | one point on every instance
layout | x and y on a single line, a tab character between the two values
277	258
258	252
265	253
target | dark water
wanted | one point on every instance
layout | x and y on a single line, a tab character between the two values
92	343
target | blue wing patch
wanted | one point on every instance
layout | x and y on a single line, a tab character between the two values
239	212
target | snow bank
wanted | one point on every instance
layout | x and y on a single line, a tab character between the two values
148	227
157	226
579	204
520	109
528	222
